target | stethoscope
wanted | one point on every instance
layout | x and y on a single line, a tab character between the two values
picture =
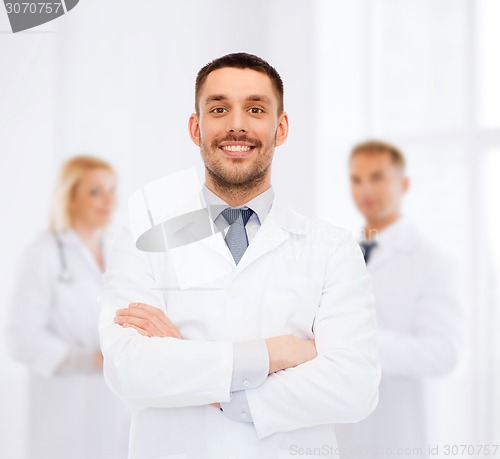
65	275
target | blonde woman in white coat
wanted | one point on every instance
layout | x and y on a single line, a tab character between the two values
52	325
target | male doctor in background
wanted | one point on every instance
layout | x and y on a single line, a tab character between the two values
419	313
261	362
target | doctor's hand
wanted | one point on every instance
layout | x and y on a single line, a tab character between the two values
98	360
147	320
289	351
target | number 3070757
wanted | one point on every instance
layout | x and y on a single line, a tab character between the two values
33	7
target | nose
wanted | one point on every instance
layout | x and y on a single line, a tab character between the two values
366	189
236	122
110	198
361	188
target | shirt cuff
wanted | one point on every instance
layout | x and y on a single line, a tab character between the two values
237	408
250	364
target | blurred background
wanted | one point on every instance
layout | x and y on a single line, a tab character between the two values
116	79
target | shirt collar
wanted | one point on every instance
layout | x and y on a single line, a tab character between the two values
260	204
400	234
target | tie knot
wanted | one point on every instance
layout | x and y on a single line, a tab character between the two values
367	247
237	215
368	244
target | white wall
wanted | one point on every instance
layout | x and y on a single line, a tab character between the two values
27	162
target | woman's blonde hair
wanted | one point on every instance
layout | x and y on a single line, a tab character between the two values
70	175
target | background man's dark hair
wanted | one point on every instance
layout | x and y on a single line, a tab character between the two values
240	61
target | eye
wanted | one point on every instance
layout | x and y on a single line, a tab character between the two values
256	110
217	110
95	192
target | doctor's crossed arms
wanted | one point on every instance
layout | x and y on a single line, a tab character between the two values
284	351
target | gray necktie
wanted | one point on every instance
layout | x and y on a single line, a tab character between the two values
236	237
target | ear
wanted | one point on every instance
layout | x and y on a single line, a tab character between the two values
194	128
282	131
406	184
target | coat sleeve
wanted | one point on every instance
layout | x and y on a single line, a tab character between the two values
28	334
341	383
433	346
154	371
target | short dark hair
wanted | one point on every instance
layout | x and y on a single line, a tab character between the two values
380	146
240	61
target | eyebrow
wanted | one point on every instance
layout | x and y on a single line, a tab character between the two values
259	98
253	98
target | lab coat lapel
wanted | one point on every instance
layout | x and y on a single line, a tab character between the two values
385	253
401	237
71	238
275	230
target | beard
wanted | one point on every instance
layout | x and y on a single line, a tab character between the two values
237	174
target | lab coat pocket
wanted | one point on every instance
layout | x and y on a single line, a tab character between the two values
290	305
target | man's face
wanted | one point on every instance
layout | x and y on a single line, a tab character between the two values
238	126
377	185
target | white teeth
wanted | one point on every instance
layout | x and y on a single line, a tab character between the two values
236	148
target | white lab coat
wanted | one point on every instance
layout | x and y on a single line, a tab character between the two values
420	320
72	416
298	276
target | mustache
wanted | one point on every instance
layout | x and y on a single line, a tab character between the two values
234	138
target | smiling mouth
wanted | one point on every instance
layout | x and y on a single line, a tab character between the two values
237	147
237	150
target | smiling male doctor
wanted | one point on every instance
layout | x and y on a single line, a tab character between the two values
261	362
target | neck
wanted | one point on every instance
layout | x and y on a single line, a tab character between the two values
373	226
238	195
91	236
